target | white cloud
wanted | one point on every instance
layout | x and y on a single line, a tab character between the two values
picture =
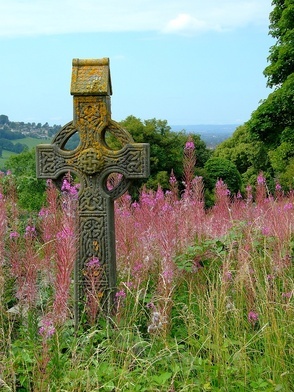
185	23
31	17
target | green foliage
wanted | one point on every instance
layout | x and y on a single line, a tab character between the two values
4	119
30	190
266	142
220	168
166	148
14	147
286	178
281	56
274	115
206	341
244	151
9	135
280	156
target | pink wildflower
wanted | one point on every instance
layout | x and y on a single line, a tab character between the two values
47	329
43	212
260	179
172	179
14	234
252	317
70	189
66	232
94	262
30	230
239	195
265	230
189	145
228	276
288	295
121	294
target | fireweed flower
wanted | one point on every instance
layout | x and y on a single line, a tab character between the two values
288	295
260	179
66	232
172	179
265	230
47	329
121	294
189	145
134	205
150	305
288	206
30	230
228	276
252	317
69	189
249	192
13	234
43	212
94	262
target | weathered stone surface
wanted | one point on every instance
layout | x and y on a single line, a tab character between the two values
93	161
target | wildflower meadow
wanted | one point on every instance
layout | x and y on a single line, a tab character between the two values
204	301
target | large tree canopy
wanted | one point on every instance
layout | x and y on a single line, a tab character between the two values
166	148
281	58
269	140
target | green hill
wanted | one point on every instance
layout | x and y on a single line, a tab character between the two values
28	141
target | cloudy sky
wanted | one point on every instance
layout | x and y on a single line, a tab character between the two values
185	61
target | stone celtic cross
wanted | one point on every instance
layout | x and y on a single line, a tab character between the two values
93	161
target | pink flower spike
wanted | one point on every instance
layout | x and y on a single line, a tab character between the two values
14	234
190	145
120	294
47	329
252	317
288	295
94	262
260	179
30	229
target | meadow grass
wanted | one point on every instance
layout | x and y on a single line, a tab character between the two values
204	299
29	141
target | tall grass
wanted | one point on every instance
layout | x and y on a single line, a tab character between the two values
204	299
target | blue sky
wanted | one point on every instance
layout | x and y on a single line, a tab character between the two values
184	61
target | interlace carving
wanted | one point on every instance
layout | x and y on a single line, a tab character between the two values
93	161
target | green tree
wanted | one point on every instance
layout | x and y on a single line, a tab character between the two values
281	57
248	154
220	168
274	114
4	119
267	141
166	148
30	190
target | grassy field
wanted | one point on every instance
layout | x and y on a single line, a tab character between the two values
204	298
29	141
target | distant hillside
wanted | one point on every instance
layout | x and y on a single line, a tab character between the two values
34	130
211	134
16	137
